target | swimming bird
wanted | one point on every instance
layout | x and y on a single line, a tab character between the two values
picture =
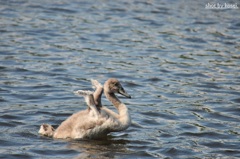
97	121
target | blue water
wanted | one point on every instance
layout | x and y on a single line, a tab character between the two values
179	61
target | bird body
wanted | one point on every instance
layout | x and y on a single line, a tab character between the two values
96	121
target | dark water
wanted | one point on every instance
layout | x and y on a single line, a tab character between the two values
179	61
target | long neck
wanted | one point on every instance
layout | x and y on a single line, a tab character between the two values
123	117
113	99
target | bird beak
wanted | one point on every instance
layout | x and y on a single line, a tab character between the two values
124	93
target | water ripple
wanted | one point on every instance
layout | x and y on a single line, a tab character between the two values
179	62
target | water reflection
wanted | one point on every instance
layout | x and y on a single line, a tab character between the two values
107	148
178	60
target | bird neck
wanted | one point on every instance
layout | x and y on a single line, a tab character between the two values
123	116
113	99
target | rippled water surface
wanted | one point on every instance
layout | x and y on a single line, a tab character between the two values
178	60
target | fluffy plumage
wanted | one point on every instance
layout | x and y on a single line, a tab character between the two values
96	121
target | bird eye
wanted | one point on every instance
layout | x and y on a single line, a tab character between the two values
114	84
